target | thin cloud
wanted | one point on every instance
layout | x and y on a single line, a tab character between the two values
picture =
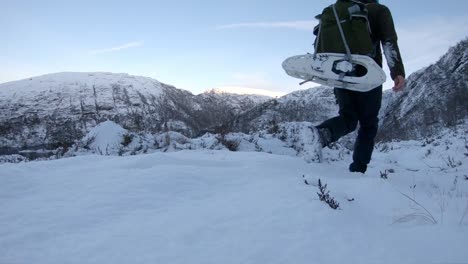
118	48
299	25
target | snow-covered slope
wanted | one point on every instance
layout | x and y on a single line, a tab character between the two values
434	98
56	109
288	138
209	206
312	105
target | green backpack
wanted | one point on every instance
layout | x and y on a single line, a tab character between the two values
354	24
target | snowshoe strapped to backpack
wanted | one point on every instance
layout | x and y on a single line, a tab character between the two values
343	50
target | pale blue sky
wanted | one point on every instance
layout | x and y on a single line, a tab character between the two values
197	45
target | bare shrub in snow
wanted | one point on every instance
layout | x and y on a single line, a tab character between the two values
273	128
451	163
464	214
466	147
85	143
127	139
383	147
428	153
101	151
167	139
232	145
384	174
420	212
258	148
324	196
15	158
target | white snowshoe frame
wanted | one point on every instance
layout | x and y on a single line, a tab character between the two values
330	69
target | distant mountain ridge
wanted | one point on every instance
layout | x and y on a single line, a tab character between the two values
55	110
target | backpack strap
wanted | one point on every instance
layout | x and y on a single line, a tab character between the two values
318	36
348	51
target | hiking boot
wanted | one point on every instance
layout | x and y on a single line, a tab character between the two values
357	167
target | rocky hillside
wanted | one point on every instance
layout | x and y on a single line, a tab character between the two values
312	105
56	109
435	97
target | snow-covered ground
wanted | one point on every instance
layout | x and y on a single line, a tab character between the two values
216	206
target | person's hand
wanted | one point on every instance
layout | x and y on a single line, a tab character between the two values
399	83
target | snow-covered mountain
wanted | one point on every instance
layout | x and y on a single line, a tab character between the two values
56	109
312	105
434	98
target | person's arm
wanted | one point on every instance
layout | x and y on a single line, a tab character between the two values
389	39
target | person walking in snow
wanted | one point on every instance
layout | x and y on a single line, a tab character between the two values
363	107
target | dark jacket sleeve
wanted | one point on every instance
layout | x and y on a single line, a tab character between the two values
388	37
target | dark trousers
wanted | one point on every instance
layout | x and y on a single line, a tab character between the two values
362	107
